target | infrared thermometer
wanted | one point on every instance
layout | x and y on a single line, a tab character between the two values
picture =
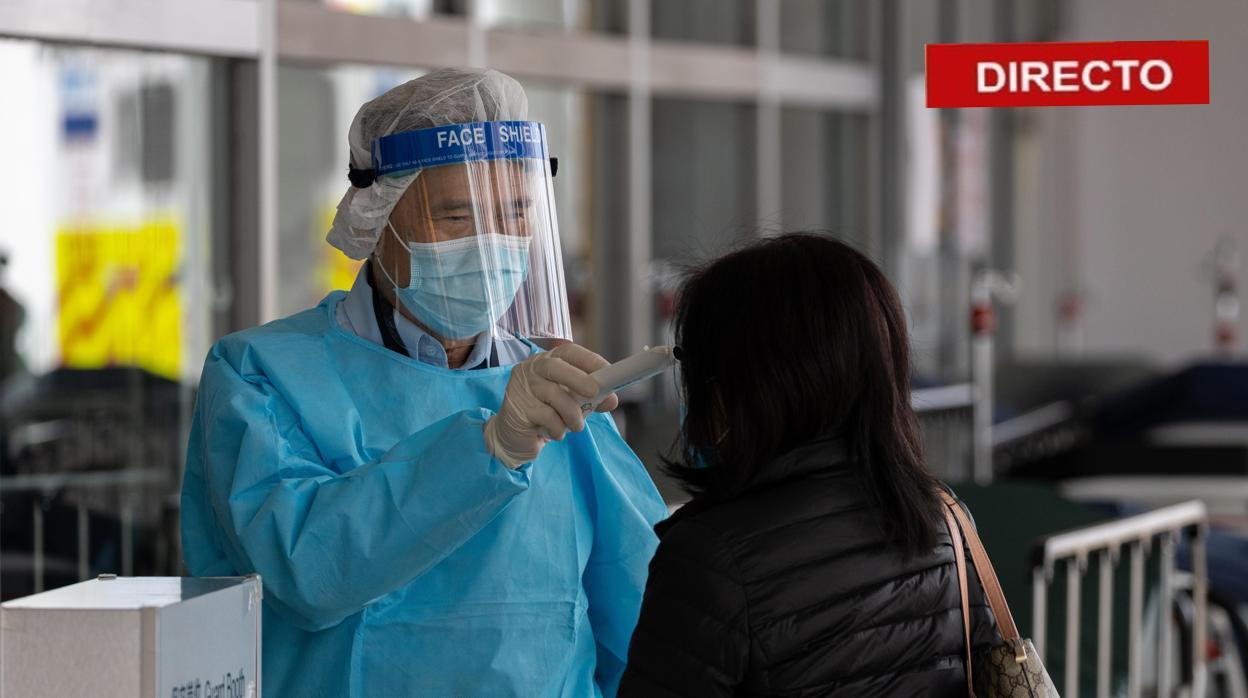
641	366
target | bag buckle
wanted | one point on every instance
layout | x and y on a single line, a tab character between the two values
1020	651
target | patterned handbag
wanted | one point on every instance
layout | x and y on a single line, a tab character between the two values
1011	669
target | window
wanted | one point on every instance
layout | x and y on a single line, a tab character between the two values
108	299
827	28
729	22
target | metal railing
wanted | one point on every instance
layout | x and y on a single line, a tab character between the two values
945	415
128	493
1104	542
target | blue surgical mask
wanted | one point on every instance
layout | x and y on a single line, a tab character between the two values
460	288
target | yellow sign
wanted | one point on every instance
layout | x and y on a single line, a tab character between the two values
117	296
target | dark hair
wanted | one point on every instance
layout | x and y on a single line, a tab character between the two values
789	340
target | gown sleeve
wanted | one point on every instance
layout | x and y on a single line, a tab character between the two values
627	506
327	544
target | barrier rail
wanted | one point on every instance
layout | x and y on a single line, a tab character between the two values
1105	542
125	485
946	415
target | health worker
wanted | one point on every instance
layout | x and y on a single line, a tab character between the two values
430	510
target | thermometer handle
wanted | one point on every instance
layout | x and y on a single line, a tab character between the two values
625	372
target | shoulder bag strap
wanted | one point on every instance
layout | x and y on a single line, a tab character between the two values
987	576
959	556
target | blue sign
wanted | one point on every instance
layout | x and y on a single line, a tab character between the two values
444	145
79	113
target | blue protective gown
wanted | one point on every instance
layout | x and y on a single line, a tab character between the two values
398	556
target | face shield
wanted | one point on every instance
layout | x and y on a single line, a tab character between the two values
473	242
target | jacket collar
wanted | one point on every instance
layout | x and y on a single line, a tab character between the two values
823	455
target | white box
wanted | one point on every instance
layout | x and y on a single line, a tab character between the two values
150	637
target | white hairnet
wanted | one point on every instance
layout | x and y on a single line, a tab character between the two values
443	97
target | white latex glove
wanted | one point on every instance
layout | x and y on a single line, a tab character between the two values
543	402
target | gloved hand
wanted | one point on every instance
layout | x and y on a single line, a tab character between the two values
543	401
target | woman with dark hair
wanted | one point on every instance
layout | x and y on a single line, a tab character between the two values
813	558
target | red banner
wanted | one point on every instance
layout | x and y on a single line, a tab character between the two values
1068	74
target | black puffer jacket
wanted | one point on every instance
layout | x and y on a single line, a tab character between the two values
793	590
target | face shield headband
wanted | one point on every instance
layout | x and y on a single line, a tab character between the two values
401	153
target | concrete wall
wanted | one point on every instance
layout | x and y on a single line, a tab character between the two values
1130	201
